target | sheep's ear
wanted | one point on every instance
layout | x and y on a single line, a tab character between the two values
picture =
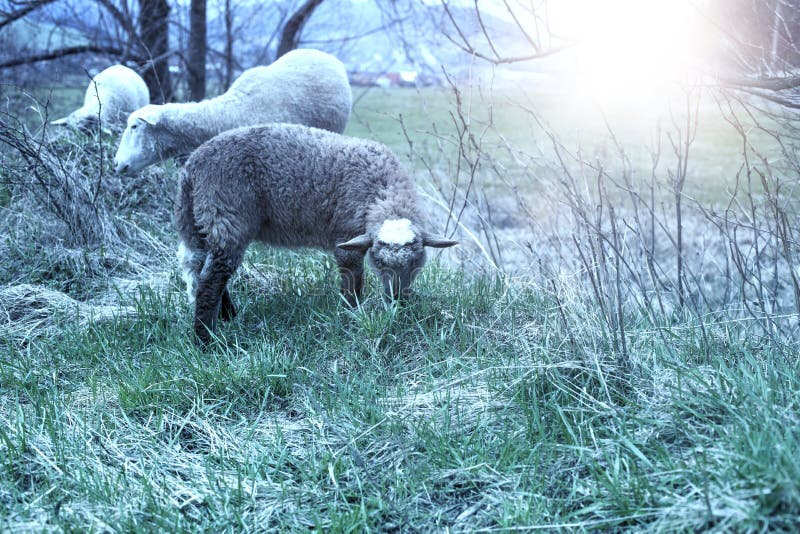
361	243
62	120
150	116
437	242
147	120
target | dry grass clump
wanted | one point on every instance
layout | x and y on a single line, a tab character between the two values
28	311
68	178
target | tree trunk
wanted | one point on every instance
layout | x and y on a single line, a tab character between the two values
154	33
197	50
776	31
294	26
228	45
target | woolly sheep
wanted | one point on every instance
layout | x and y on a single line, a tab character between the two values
294	186
111	96
304	86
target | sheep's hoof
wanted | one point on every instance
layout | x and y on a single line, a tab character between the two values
202	335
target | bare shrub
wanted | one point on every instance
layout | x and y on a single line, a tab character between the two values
644	247
68	176
68	221
54	174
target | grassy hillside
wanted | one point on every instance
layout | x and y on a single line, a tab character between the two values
485	403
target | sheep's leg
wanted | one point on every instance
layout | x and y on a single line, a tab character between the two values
351	270
210	289
227	310
191	261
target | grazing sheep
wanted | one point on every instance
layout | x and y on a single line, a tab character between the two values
294	186
303	86
112	95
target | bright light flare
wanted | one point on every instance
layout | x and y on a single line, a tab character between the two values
627	49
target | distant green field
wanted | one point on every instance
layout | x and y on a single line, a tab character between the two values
505	118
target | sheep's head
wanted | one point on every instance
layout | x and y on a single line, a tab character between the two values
141	142
396	252
85	120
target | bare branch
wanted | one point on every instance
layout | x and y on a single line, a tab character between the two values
498	58
528	38
61	52
485	33
772	83
9	17
125	20
793	103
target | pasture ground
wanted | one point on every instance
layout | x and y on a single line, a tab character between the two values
486	403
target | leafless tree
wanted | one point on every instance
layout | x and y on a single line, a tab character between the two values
197	50
294	26
112	27
228	52
139	34
154	29
758	44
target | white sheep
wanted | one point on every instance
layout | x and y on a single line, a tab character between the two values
304	86
294	186
111	96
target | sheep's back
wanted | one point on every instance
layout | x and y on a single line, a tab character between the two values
302	186
118	91
303	87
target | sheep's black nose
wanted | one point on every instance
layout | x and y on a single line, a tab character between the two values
122	169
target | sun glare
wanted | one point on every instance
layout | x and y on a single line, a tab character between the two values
627	49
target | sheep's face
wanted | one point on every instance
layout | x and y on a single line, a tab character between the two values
396	252
397	255
139	145
87	124
84	120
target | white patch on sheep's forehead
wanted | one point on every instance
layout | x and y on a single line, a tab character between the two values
188	259
396	232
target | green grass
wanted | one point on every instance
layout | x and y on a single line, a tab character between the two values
464	409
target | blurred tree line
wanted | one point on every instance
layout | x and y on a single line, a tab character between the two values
762	47
151	35
756	42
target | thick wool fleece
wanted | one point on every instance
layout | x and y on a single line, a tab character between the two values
289	185
113	94
302	87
